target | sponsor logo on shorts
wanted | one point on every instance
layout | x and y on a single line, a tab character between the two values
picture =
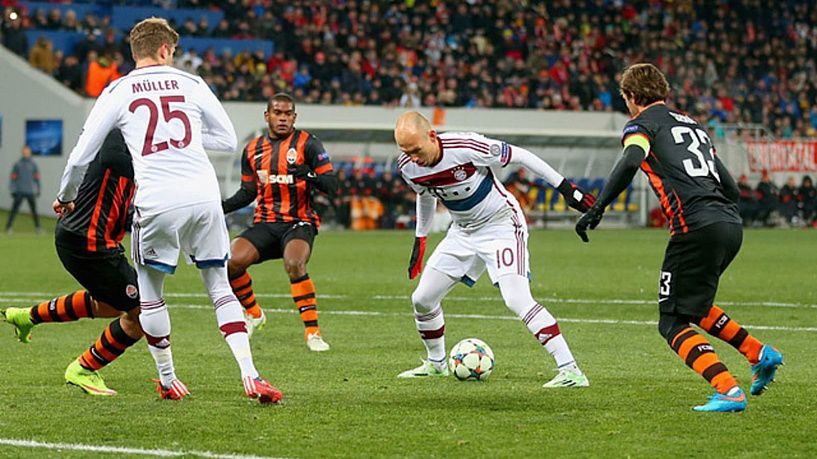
151	253
292	156
131	291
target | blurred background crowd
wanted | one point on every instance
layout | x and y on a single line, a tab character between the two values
728	62
748	63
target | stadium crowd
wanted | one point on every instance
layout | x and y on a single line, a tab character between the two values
728	62
770	205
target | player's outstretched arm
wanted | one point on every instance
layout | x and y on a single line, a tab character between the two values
618	181
426	206
574	196
730	188
101	120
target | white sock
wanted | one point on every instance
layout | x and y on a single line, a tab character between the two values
432	330
155	322
230	319
540	322
428	314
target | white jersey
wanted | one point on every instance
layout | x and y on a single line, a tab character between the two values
463	179
168	117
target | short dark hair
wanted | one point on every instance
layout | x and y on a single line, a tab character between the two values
644	83
281	97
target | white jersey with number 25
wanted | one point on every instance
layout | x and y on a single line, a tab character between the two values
168	118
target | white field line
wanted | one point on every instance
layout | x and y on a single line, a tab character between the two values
121	450
652	323
22	296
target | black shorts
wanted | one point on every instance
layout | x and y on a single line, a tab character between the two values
271	238
693	264
107	277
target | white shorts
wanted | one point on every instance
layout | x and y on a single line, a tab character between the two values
198	231
501	248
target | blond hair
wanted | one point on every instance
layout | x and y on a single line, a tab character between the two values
149	35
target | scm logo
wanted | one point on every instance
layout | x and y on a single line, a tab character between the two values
281	179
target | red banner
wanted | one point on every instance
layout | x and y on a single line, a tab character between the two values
782	156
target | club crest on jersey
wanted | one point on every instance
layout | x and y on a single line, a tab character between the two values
131	291
292	156
460	174
495	150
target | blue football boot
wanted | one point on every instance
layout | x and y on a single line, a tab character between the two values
763	371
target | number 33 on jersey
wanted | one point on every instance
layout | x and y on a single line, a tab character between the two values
168	118
681	167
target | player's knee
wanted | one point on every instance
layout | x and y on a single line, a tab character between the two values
295	267
517	299
421	302
130	324
237	265
670	325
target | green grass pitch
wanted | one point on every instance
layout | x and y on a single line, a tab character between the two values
348	403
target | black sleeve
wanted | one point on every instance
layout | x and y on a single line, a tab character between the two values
730	188
248	190
621	175
318	159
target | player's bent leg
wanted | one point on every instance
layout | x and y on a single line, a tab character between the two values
296	255
243	255
430	321
765	359
118	336
541	323
155	322
700	356
65	308
229	317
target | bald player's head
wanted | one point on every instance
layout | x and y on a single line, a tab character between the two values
416	138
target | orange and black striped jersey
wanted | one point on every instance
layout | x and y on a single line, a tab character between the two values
103	204
268	171
681	169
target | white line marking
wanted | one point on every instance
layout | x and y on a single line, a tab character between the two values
23	296
209	307
122	450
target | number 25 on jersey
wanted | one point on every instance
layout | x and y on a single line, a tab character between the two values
149	147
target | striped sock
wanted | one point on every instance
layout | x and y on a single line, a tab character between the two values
699	355
719	325
112	343
545	329
242	288
303	294
431	326
66	308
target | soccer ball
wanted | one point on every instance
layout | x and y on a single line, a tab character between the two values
471	360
